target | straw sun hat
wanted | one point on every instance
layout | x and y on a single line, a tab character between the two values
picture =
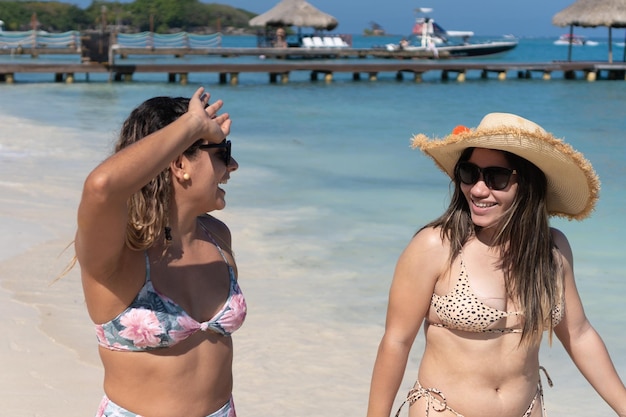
573	186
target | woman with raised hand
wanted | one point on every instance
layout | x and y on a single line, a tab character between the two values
490	276
158	272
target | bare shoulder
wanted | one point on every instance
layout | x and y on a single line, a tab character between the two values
214	223
427	251
561	242
218	229
430	240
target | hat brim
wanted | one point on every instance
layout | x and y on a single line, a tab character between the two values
573	186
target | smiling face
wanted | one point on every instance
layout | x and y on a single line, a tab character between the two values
486	205
220	174
208	170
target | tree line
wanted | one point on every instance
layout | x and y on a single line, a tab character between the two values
160	16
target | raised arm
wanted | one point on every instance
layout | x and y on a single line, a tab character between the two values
583	344
417	271
102	213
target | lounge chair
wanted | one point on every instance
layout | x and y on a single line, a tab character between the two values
318	42
339	43
329	42
307	43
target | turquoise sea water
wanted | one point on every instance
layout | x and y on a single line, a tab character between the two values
329	189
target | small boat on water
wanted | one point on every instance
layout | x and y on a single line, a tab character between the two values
429	36
576	40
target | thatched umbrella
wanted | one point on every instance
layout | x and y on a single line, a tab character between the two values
295	13
593	13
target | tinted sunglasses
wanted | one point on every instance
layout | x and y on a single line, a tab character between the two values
496	178
225	149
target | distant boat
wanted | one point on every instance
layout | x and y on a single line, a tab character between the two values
429	36
575	40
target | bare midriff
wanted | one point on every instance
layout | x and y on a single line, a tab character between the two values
193	377
479	374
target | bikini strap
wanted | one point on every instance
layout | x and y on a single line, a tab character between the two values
435	400
549	380
210	236
148	279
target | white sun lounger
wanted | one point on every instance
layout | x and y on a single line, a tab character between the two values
329	42
318	42
339	43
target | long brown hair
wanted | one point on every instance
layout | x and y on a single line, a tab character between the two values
148	209
533	274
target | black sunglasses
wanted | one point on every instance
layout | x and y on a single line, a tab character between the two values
496	178
223	145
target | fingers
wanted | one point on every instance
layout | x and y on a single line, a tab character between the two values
223	120
225	126
213	108
199	95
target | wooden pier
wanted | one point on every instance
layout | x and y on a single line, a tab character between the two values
279	72
117	52
275	53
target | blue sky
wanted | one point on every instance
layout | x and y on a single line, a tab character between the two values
484	17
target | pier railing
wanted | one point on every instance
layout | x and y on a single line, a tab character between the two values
36	42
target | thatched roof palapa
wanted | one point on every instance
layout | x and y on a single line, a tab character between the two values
593	13
295	13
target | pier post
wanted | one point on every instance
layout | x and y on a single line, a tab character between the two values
484	74
569	75
444	75
356	76
222	78
399	76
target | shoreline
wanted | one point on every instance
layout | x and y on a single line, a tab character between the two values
314	323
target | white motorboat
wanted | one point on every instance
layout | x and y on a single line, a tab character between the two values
427	35
575	40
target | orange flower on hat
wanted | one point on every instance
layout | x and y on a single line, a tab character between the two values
460	129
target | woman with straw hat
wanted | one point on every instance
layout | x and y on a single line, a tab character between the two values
489	276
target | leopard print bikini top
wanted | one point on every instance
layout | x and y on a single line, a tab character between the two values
461	309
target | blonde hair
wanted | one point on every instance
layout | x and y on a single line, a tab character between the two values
148	208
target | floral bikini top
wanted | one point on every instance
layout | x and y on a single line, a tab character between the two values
154	321
461	309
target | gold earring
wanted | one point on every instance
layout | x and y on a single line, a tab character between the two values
186	176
